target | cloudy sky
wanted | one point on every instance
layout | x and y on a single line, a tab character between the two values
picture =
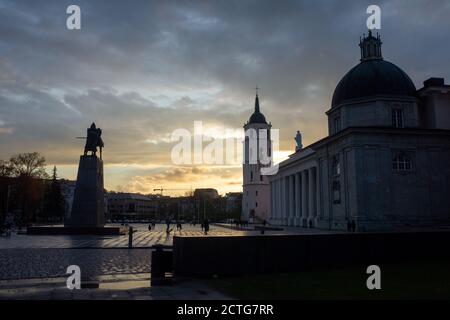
141	69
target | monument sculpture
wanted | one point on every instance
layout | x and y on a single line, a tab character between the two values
88	202
298	141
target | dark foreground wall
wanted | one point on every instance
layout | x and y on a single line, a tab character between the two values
202	256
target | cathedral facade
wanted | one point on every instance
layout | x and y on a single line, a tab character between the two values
385	163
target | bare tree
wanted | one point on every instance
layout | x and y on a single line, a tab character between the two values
5	169
28	164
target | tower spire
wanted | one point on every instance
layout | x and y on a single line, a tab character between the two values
257	101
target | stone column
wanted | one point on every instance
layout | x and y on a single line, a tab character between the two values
278	192
283	199
287	192
304	199
272	200
286	199
297	213
318	192
291	200
311	196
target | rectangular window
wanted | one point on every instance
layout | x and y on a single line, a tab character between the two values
397	118
336	191
337	124
401	163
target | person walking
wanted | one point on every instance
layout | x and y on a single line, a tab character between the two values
130	237
353	226
206	226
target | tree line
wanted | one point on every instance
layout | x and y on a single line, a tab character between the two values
27	192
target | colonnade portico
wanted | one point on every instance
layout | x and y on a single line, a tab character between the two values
295	198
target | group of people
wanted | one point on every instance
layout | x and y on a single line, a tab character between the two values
351	226
151	225
240	223
5	229
204	225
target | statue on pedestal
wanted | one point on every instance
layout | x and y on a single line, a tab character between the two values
88	209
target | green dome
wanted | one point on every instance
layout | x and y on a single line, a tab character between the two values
373	78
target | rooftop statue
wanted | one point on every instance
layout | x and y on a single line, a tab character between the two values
298	140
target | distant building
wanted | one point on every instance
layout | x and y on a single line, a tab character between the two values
132	206
233	202
385	163
208	204
68	191
178	208
207	193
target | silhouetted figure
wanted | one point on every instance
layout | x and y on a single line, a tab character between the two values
349	226
353	226
130	237
149	227
310	223
179	227
206	226
153	224
93	140
168	226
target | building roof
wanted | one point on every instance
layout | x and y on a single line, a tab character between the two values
129	196
372	77
257	116
310	151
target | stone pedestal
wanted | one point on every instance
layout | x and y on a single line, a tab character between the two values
88	202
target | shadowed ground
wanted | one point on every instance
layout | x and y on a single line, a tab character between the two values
415	280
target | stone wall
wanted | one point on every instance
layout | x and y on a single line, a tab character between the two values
207	256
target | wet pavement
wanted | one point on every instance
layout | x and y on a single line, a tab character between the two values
142	237
33	256
44	263
119	287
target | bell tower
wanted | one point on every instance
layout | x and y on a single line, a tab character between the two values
257	152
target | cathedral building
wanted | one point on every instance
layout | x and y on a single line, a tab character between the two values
385	164
256	189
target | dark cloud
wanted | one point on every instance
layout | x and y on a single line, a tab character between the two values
141	69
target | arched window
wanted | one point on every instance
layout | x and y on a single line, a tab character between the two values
401	163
